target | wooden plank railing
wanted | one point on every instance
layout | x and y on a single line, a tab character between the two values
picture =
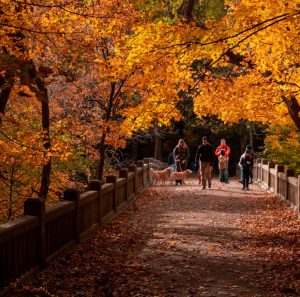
59	226
280	180
28	243
18	247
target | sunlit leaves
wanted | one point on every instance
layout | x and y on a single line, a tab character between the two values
113	67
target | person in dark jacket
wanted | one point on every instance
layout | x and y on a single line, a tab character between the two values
171	161
204	157
246	163
181	155
249	149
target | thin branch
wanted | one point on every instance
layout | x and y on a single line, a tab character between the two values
63	7
42	5
236	45
98	102
40	32
19	144
189	43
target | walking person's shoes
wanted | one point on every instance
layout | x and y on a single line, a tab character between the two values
203	187
243	188
209	185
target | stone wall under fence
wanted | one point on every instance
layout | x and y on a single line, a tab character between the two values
280	180
28	243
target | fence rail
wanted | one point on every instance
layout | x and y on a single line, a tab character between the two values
29	242
280	180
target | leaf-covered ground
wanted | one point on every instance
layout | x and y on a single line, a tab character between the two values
184	241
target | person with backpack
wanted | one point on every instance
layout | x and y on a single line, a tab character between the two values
246	163
171	161
249	148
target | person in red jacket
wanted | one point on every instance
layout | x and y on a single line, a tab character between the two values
226	149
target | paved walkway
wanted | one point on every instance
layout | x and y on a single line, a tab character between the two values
182	241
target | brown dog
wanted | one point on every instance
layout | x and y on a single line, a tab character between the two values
183	175
161	175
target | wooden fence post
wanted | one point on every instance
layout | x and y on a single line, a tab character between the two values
270	165
288	172
140	163
36	207
151	162
123	173
96	185
263	162
133	168
113	180
258	161
74	195
298	197
278	168
148	162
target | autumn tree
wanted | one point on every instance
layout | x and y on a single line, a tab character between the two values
101	70
85	46
255	42
263	81
39	42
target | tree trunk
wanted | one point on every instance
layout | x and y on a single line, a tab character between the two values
11	186
243	137
113	96
4	96
251	134
293	109
42	95
100	166
157	146
46	171
134	151
189	11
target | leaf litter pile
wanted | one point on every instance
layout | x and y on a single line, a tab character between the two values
183	241
274	233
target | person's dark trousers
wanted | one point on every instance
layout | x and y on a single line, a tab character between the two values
180	167
227	172
222	175
251	173
226	176
246	176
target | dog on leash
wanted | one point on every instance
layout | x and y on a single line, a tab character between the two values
183	175
161	176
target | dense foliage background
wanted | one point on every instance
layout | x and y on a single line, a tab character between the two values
88	86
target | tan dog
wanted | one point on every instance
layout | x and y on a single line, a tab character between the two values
183	175
161	175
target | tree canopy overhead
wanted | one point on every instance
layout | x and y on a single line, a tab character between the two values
246	64
245	52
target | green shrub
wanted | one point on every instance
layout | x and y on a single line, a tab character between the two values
282	145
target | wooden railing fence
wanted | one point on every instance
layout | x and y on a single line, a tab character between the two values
29	242
280	180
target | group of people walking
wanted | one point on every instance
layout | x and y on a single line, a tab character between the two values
204	162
